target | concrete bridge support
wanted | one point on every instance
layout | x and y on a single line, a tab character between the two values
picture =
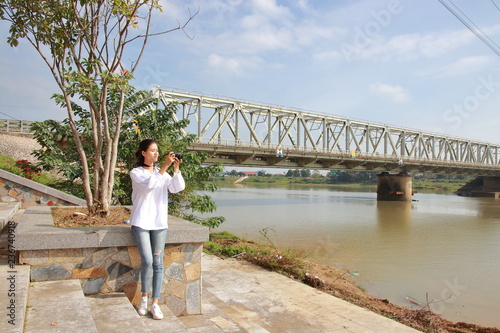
481	187
394	187
491	184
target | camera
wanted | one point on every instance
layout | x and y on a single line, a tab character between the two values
179	156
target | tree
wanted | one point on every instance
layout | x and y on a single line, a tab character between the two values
160	125
316	174
84	43
305	173
144	120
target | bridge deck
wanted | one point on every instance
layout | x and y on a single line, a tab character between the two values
292	159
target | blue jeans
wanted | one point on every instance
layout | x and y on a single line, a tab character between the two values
151	244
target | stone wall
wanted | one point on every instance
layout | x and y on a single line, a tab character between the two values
116	269
14	188
106	259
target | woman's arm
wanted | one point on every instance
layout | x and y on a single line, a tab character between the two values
177	183
144	180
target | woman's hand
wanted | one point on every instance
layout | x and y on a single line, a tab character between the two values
169	159
176	162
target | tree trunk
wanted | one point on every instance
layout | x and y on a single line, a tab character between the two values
83	157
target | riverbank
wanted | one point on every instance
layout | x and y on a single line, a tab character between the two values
334	281
419	184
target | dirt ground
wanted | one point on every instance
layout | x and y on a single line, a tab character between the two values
326	278
77	217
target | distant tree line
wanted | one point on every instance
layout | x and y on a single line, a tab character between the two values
343	176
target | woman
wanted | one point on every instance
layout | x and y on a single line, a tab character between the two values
150	186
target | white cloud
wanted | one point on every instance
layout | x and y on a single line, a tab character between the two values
328	56
309	32
266	38
406	46
303	5
262	29
270	9
235	65
395	93
435	44
459	67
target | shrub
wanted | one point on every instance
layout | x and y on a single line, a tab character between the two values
28	169
268	256
9	164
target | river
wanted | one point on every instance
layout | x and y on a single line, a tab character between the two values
440	247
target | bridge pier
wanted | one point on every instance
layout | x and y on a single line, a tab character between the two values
394	187
484	186
491	184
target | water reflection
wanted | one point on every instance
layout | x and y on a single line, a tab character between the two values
487	209
394	216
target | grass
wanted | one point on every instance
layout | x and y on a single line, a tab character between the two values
446	186
9	164
45	178
286	262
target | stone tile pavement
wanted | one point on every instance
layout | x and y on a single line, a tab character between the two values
241	297
237	297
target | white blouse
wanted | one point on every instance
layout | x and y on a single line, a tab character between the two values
150	197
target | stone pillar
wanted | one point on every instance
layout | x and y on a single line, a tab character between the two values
394	187
491	184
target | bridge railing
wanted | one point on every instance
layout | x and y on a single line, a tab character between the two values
291	150
267	126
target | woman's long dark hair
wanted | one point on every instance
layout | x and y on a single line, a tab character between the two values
143	146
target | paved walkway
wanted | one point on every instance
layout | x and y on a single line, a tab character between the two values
241	297
237	297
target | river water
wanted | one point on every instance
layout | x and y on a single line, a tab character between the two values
440	247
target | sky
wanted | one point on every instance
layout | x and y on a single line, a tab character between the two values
405	63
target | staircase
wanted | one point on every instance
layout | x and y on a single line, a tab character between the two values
61	306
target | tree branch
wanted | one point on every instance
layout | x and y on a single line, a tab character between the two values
167	31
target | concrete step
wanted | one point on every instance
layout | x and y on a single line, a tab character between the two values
169	323
14	296
113	313
7	212
61	306
58	306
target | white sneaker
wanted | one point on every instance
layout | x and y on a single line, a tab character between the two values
156	311
143	306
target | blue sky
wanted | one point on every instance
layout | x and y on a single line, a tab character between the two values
399	62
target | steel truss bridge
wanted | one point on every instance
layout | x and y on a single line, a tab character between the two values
245	133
